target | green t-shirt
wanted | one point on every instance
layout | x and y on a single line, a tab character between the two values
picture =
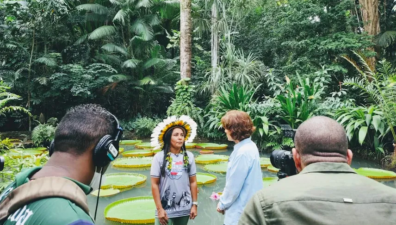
48	211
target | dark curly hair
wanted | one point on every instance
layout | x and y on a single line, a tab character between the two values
82	127
239	124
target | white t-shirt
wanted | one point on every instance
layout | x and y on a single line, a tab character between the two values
175	191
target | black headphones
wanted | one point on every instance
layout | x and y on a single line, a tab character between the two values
106	150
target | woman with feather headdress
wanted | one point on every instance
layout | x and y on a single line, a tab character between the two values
173	171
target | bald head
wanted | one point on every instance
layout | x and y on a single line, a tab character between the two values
321	139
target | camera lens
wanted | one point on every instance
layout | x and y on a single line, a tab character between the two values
277	158
2	163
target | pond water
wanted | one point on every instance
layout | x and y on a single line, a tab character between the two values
207	213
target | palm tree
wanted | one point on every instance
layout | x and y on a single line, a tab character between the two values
185	39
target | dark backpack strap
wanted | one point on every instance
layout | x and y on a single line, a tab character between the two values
45	187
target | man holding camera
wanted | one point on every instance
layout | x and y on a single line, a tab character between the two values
326	190
86	140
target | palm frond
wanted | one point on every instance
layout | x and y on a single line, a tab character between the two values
364	61
120	16
353	63
50	62
81	39
144	4
118	78
10	109
141	28
385	39
153	20
95	8
147	80
110	47
131	63
102	32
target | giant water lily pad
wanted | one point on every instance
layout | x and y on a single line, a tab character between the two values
144	145
272	169
376	173
211	146
209	159
142	207
206	178
24	153
133	162
190	145
105	192
206	152
218	168
130	142
123	180
138	153
28	149
265	162
267	181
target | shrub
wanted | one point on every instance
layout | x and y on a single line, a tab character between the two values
43	134
144	126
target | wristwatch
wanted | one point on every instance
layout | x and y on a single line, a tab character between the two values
195	203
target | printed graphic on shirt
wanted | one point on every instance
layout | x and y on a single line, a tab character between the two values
21	216
176	171
172	203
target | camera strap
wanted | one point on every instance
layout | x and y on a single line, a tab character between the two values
41	188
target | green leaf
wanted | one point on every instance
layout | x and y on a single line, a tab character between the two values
376	122
110	47
261	131
143	29
362	134
131	63
120	16
144	4
50	62
96	8
368	119
102	32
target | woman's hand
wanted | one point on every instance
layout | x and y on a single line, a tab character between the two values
219	210
163	218
193	212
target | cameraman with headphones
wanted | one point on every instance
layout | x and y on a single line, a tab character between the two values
86	141
326	190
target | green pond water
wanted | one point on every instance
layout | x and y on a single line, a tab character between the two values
207	213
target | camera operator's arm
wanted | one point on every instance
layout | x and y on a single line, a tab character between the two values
253	213
236	176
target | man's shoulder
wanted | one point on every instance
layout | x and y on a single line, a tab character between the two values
313	185
52	210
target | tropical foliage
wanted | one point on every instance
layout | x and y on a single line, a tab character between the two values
280	61
183	103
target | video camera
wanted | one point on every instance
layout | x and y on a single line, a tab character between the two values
2	161
283	159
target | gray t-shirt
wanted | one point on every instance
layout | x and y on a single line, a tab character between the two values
174	188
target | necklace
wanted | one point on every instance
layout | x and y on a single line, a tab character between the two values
169	159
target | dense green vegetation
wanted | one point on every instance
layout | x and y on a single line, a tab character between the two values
281	61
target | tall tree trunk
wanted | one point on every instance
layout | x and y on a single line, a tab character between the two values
29	91
215	39
371	20
185	39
